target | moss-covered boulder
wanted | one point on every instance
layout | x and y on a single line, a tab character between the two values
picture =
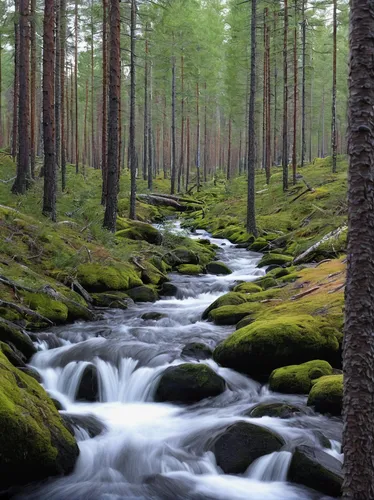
242	443
136	230
115	300
326	395
189	383
143	294
316	469
230	315
247	320
217	267
265	345
151	275
247	288
229	299
14	336
266	282
52	309
190	269
278	410
297	379
101	278
13	355
274	258
196	350
181	255
259	245
153	316
34	442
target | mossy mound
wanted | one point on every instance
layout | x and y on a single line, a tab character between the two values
181	255
217	267
98	278
229	299
326	395
14	336
278	410
230	315
151	275
266	282
247	288
115	300
190	269
52	309
34	442
143	294
274	258
241	444
247	320
265	345
259	245
136	230
297	379
189	383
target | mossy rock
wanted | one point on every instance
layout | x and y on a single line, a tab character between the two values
326	395
190	269
15	357
189	383
115	300
230	315
99	278
143	294
277	410
259	245
280	272
247	288
274	258
14	336
217	267
151	275
266	282
34	442
136	230
196	350
229	299
316	469
181	255
241	444
247	320
153	316
265	345
297	379
55	311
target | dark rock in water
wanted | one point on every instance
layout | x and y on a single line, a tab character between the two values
280	410
155	316
242	245
13	355
143	294
189	383
316	469
242	443
50	339
14	335
217	268
57	404
89	423
31	372
168	290
322	439
115	300
88	389
196	350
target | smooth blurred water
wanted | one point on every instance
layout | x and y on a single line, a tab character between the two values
156	451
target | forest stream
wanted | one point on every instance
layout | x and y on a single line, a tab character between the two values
132	447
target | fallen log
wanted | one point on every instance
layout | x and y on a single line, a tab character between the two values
303	294
177	198
160	201
333	234
25	311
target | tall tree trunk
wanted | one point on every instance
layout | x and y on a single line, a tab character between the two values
228	173
188	145
50	179
110	216
104	131
33	70
358	352
145	138
76	86
251	215
275	131
23	160
15	81
303	140
240	154
205	172
264	94
93	142
85	138
132	149
181	160
173	131
268	102
294	97
164	142
62	87
72	128
58	84
150	133
333	118
197	136
1	95
285	99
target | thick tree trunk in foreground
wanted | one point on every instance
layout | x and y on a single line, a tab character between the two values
15	81
50	180
358	356
110	216
104	130
33	70
132	150
58	84
251	216
62	89
23	160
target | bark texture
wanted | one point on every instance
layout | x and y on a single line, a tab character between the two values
132	150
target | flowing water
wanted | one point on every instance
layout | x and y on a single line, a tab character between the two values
159	451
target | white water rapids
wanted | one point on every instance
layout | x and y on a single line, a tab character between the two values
158	451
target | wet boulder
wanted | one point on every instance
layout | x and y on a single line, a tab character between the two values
316	469
277	410
326	395
189	383
153	316
265	345
13	355
168	290
115	300
31	372
88	389
231	315
229	299
90	423
247	287
14	336
34	442
216	267
242	443
274	259
196	350
297	379
190	269
143	294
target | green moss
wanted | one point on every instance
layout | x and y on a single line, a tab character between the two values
247	288
247	320
229	299
280	272
46	306
143	293
259	245
217	267
150	275
117	300
326	394
33	440
274	258
266	282
137	230
14	335
98	278
265	345
230	315
297	379
190	269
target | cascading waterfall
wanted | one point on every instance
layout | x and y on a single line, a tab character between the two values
134	448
